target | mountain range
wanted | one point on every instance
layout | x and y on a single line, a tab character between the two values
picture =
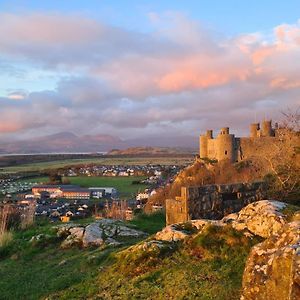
67	142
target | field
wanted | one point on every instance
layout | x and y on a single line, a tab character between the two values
180	160
122	184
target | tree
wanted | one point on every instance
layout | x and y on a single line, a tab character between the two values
55	178
283	158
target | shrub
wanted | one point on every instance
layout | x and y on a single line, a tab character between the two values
5	238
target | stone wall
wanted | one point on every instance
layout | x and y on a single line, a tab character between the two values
212	201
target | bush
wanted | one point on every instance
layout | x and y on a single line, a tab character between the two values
6	239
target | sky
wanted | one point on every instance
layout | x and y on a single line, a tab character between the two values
146	68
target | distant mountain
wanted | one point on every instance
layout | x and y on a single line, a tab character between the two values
67	142
151	151
63	142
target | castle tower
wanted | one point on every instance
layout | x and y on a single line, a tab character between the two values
225	145
204	143
267	128
254	130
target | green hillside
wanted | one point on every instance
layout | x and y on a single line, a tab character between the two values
207	266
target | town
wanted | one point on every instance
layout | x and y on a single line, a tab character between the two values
64	201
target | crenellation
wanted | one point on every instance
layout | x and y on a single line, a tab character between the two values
227	146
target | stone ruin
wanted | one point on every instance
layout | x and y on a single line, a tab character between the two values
212	201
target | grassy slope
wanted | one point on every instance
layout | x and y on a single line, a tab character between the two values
33	271
208	266
122	184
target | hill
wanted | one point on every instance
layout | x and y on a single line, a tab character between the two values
148	151
67	142
201	259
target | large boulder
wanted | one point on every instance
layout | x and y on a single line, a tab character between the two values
171	234
176	232
262	218
273	267
93	236
98	233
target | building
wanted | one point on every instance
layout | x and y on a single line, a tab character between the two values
227	146
212	201
108	191
62	191
97	192
51	188
76	193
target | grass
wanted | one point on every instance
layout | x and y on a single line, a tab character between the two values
206	266
35	270
122	184
150	223
43	179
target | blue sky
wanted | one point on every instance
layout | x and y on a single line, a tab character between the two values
139	68
230	16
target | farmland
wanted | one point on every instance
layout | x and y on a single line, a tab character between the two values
122	184
41	166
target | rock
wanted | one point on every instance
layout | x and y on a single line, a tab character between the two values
155	247
112	242
71	241
77	232
273	267
39	237
74	236
100	232
199	224
63	262
125	231
93	236
262	218
171	233
64	230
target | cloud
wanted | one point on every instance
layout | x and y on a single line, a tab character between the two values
179	77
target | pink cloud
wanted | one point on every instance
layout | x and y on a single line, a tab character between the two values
128	79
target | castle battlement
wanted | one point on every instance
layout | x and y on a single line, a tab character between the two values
228	147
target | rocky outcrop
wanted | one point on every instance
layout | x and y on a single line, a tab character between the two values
102	232
273	267
172	233
262	218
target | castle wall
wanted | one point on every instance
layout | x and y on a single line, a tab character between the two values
212	201
251	147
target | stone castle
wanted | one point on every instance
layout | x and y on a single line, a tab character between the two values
215	201
227	146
